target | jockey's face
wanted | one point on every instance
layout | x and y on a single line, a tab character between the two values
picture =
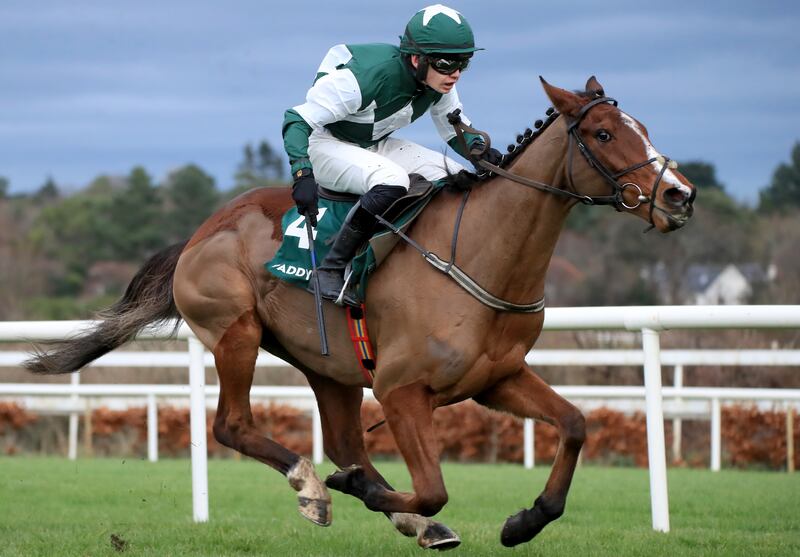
438	82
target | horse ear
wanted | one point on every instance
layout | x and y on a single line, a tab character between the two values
565	101
594	88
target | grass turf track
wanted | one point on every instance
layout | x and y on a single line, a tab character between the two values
52	506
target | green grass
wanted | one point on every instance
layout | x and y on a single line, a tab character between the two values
56	507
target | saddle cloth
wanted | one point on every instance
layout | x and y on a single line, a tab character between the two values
292	262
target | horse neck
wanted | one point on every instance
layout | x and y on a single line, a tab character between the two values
513	229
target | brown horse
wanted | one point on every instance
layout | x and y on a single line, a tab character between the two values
435	344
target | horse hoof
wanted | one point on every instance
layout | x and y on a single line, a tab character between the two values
348	480
314	501
429	534
317	511
438	536
520	528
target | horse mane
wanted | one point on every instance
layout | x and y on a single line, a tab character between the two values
465	179
528	136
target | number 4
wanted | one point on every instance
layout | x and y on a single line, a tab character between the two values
297	229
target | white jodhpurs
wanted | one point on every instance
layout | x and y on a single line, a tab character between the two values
346	167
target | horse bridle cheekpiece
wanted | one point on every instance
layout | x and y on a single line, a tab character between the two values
618	189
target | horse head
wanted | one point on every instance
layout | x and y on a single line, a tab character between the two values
619	158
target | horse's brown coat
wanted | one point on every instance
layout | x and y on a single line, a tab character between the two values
435	344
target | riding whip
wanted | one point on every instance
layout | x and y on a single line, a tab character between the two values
323	337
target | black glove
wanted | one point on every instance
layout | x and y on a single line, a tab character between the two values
304	193
490	155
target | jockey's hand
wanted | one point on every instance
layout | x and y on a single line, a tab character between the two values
490	155
304	193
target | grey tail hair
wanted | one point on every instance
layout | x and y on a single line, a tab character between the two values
147	301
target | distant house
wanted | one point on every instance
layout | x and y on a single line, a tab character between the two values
714	284
725	284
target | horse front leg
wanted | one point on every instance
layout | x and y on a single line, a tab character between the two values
409	414
340	413
524	394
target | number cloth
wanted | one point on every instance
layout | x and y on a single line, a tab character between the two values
292	262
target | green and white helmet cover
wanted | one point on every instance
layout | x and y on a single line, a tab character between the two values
438	29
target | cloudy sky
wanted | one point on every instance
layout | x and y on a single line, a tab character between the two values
92	87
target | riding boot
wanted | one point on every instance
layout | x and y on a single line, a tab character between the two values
356	230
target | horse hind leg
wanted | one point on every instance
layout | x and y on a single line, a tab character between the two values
340	412
235	356
526	395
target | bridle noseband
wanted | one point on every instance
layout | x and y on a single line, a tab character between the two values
616	199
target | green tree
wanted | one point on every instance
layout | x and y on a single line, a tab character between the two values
137	218
3	187
74	232
191	197
261	166
702	174
48	191
783	193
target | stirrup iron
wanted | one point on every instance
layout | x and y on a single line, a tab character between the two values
348	274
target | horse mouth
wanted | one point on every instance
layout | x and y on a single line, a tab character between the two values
676	221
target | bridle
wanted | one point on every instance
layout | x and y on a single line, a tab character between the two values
616	199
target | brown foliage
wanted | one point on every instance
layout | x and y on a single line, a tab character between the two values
751	436
612	436
466	431
14	416
469	432
287	425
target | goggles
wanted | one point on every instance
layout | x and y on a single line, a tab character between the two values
448	66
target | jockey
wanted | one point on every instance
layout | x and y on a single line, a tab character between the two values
340	137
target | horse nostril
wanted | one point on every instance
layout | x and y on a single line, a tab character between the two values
678	197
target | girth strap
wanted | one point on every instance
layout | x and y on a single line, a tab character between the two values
467	283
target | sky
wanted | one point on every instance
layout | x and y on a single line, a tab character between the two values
98	87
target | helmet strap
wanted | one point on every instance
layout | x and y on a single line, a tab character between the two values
421	73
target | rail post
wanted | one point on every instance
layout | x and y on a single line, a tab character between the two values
529	443
72	450
152	428
716	435
656	452
317	448
789	438
197	397
677	423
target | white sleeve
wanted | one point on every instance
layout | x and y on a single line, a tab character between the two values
331	98
448	103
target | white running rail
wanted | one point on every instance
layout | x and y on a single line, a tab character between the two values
647	320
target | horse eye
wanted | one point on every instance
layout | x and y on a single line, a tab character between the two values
603	136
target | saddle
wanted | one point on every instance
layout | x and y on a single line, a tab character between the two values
292	262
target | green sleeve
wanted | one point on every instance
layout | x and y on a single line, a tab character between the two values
295	140
470	138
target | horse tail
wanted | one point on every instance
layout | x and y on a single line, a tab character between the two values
147	301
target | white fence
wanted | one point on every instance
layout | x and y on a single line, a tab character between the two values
680	402
648	320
